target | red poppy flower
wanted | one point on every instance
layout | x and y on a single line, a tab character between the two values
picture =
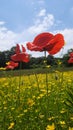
70	61
20	55
55	44
40	42
71	54
11	65
47	42
71	58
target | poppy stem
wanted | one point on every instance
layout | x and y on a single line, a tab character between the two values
45	54
37	82
46	75
47	101
19	82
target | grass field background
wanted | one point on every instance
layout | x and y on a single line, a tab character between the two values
36	100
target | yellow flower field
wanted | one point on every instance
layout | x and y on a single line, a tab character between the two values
37	102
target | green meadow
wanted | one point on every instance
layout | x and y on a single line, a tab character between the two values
36	101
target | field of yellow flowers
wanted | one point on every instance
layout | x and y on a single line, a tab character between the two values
37	101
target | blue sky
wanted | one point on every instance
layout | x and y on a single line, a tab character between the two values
21	21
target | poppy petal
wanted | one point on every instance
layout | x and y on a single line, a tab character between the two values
71	54
15	57
11	65
42	39
70	60
26	58
17	50
20	57
57	43
23	48
32	47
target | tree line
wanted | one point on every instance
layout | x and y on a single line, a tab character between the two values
35	62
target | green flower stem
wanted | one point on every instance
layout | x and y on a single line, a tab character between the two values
46	77
37	82
19	84
47	99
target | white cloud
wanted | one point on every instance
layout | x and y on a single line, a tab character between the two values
43	22
42	12
2	23
7	37
68	36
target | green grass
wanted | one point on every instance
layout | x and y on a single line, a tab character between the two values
33	101
32	71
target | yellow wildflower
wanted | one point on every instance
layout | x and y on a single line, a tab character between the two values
50	118
71	118
4	102
50	127
62	111
25	110
5	108
70	128
2	68
41	116
41	95
12	108
44	61
7	63
59	63
48	66
62	122
30	102
11	126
